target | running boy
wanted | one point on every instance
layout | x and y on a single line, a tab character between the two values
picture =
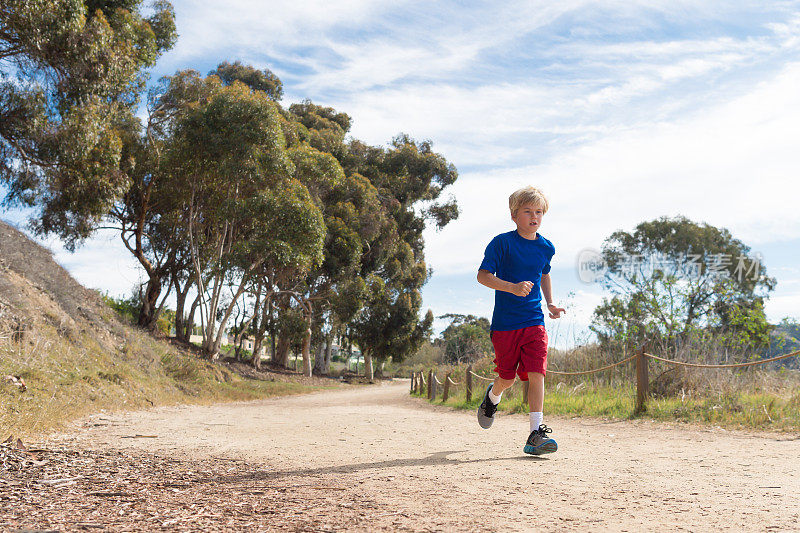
517	266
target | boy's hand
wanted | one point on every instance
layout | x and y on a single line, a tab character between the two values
523	288
555	312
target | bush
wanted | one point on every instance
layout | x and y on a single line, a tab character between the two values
127	308
128	311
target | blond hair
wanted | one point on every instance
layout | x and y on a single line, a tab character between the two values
527	195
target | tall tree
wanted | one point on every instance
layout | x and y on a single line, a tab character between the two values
72	72
150	214
230	163
410	178
673	279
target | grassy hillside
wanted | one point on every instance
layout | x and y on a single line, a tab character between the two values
75	356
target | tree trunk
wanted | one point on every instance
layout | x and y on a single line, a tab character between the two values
189	326
328	351
319	359
270	325
148	316
282	352
259	342
368	372
180	308
254	322
238	342
180	305
307	353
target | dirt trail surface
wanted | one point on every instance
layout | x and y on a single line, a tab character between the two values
372	458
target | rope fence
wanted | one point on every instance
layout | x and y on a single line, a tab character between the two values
732	365
612	365
418	381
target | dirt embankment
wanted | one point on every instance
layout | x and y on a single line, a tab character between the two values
374	459
64	353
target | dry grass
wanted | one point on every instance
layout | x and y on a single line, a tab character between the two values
68	378
752	397
75	357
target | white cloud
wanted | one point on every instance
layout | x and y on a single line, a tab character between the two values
785	300
101	263
255	27
733	165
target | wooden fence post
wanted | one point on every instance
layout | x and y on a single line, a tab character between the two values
525	385
446	391
642	381
413	381
430	384
434	387
468	380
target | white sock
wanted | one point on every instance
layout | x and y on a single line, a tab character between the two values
495	399
536	420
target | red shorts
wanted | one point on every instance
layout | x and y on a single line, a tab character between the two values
520	351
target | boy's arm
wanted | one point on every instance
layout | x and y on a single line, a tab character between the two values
547	291
523	288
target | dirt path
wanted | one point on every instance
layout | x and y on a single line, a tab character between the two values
374	458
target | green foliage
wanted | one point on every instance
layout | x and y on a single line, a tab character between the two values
748	399
388	325
785	338
71	74
466	339
671	285
126	308
166	319
322	127
258	80
292	326
220	187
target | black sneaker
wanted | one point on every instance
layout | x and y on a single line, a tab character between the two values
539	443
486	410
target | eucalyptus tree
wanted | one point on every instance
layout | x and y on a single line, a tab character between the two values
148	215
71	74
258	80
409	178
673	280
245	208
466	339
354	216
80	154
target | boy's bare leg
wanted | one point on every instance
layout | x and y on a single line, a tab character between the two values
500	385
535	392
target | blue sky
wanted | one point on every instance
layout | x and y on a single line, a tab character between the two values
621	111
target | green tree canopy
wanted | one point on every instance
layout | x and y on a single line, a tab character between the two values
466	339
674	280
71	76
247	209
258	80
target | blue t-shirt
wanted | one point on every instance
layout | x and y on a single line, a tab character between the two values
512	257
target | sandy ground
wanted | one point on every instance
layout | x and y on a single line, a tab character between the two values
401	464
